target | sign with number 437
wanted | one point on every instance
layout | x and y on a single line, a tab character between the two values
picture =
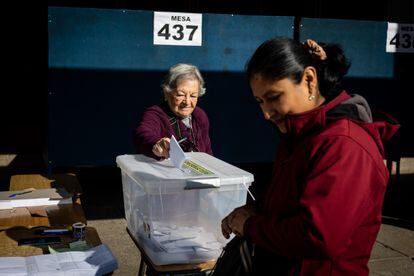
173	28
400	38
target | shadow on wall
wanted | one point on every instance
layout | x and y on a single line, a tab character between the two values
398	203
390	96
93	113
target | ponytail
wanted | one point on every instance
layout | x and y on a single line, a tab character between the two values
332	70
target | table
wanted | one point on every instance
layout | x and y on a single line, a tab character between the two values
20	223
69	181
179	269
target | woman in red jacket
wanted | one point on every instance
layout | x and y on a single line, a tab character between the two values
321	212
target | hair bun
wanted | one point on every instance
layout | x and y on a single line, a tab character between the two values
315	49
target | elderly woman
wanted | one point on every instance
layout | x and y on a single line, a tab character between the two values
178	116
321	211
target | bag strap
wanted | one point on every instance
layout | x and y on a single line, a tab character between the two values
176	128
246	257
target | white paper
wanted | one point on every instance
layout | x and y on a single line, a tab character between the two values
6	204
177	28
174	239
95	261
400	38
177	155
12	262
199	180
38	197
13	266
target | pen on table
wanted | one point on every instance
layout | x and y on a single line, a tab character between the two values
55	231
25	191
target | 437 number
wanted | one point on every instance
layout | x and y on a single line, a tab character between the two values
405	40
178	31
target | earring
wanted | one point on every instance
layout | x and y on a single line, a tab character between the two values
311	97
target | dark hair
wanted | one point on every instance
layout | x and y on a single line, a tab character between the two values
279	58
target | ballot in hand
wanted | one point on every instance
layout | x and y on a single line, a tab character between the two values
162	148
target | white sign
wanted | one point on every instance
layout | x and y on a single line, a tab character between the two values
174	28
400	38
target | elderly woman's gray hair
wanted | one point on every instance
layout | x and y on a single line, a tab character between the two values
180	72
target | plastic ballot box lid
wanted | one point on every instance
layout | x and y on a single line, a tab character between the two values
210	172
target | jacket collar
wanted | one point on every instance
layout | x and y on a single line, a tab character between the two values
380	126
303	123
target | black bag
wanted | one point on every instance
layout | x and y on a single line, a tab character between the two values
235	260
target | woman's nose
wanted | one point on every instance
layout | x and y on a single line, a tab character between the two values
187	98
266	113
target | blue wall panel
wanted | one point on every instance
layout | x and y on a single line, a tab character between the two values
104	71
122	39
363	41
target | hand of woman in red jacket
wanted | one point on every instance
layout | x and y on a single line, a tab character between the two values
234	222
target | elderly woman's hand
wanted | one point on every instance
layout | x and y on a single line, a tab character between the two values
162	148
234	222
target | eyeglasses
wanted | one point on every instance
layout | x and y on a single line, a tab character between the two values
181	95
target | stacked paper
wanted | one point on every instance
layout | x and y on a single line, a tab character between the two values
37	197
173	239
95	261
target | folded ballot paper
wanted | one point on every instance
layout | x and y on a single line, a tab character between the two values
179	239
34	197
202	176
98	260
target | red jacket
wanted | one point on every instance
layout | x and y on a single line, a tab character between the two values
322	210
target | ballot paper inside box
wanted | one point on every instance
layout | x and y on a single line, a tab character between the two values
174	215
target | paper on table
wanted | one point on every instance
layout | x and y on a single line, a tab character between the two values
57	250
79	246
13	266
42	263
95	261
73	246
38	197
6	204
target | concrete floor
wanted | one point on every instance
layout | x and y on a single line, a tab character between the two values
393	253
113	233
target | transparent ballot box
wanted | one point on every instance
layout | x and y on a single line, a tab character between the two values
174	214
